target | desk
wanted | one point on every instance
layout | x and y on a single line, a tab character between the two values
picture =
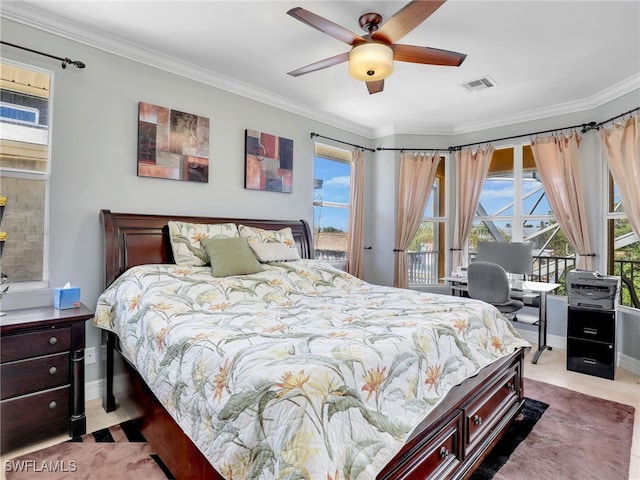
525	290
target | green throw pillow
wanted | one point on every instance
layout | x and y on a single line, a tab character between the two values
230	256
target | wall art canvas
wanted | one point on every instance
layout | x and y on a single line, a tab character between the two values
268	162
172	144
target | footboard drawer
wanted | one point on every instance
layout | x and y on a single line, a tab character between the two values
438	457
485	412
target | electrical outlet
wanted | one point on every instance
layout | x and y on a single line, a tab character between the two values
89	356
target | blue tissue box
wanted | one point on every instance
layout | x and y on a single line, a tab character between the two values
66	298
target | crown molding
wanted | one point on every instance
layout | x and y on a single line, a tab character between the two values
33	17
622	88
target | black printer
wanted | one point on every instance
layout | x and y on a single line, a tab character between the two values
589	289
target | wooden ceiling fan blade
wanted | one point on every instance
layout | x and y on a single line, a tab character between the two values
327	62
375	87
326	26
427	55
405	20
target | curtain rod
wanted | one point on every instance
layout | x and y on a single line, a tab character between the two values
65	61
313	134
598	125
415	149
584	127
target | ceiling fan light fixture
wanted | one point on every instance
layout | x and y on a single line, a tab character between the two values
371	61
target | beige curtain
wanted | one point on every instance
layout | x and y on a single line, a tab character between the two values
557	161
471	172
417	172
621	147
355	257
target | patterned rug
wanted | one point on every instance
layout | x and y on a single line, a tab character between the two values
119	452
564	434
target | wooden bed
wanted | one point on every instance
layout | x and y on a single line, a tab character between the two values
451	441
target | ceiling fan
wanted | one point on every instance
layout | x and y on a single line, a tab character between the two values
371	56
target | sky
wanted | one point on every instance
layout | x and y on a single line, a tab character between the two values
497	193
335	178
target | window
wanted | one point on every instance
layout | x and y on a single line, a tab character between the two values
623	249
331	198
24	173
513	207
425	253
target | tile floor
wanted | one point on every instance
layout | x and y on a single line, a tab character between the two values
551	368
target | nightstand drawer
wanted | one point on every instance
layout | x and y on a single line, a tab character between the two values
27	376
33	417
35	344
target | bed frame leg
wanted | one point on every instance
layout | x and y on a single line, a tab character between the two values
109	400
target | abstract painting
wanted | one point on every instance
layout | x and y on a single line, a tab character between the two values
268	162
172	144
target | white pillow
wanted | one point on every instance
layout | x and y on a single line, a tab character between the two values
273	252
271	245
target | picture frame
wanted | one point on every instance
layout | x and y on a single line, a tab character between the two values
172	144
268	162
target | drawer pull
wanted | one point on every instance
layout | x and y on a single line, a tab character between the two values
590	331
53	371
52	405
444	452
53	340
590	361
477	419
511	387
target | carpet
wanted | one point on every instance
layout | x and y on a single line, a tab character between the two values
119	452
579	437
561	434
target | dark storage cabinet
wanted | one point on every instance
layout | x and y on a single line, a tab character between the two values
591	341
41	374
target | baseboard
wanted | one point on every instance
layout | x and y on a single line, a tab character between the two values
629	363
554	341
93	390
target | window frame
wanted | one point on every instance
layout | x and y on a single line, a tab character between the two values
607	230
340	155
26	287
519	218
442	186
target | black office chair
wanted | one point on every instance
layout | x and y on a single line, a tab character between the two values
489	282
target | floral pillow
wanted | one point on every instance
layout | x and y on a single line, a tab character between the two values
185	240
271	245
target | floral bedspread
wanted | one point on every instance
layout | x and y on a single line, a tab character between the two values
299	371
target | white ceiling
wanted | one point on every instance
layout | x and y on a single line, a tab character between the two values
547	58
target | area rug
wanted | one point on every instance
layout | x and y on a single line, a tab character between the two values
561	434
119	452
579	437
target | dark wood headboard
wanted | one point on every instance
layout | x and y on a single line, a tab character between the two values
136	239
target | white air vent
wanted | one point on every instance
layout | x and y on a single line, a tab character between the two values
479	84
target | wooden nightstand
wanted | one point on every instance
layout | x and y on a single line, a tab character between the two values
42	374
